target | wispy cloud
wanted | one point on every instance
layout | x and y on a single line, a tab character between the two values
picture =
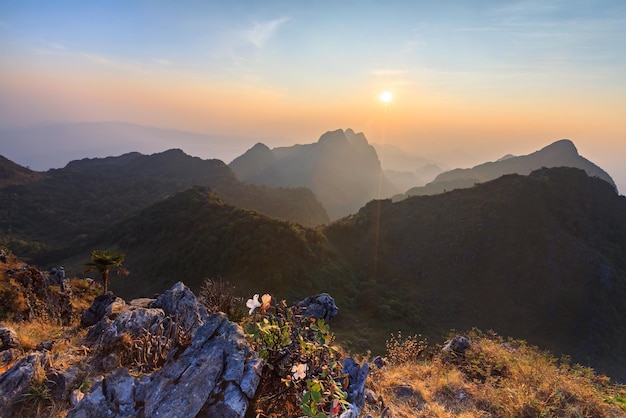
161	61
262	31
114	63
58	46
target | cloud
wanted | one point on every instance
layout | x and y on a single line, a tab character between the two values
263	31
58	46
113	63
161	61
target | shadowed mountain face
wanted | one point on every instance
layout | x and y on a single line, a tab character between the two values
539	257
11	173
194	234
561	153
87	196
342	169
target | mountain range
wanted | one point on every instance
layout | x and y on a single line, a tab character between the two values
538	256
341	168
562	153
53	145
405	170
45	211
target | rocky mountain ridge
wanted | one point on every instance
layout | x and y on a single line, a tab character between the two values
562	153
341	168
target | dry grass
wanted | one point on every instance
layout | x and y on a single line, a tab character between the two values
494	379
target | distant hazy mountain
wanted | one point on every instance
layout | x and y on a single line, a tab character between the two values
342	169
405	170
561	153
42	147
76	202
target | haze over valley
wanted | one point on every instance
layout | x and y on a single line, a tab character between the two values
454	171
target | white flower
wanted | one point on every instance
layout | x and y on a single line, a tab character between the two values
299	371
253	303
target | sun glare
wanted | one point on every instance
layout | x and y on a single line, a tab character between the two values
386	97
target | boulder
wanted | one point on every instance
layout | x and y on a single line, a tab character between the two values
357	375
181	304
104	306
15	382
320	306
455	348
8	338
62	382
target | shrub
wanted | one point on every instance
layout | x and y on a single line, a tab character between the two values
303	372
403	350
219	296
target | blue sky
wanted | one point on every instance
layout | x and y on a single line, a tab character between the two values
468	77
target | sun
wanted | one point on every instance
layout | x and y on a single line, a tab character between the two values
386	97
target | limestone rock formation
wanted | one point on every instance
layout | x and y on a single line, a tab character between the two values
210	369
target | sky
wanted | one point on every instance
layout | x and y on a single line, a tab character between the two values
471	80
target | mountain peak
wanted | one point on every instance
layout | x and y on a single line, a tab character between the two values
561	147
333	137
356	138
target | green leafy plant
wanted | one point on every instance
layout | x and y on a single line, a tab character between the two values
303	373
102	261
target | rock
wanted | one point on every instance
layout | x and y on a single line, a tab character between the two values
133	321
403	391
181	304
8	356
141	302
103	306
112	396
45	345
209	373
378	362
455	348
357	375
15	381
109	362
75	397
370	397
214	374
61	382
320	306
8	338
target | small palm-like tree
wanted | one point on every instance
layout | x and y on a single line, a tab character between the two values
102	261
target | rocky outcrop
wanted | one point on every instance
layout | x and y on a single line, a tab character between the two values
320	306
15	382
210	369
357	375
8	338
104	306
216	375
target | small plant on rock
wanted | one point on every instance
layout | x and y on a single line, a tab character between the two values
303	372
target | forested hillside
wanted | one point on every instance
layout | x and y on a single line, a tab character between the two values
47	211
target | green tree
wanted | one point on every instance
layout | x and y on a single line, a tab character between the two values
102	261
